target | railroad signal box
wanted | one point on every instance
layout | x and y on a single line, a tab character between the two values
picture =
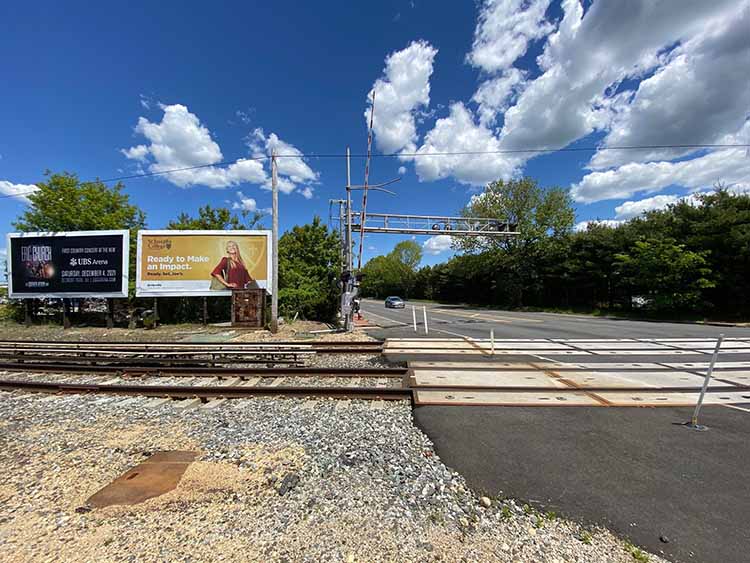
248	307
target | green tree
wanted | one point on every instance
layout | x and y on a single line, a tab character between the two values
64	203
216	219
671	276
540	215
392	274
309	265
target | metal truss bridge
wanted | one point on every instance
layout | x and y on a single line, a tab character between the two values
432	224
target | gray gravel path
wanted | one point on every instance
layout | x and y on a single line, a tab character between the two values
277	480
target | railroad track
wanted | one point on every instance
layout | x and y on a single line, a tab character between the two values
204	392
177	348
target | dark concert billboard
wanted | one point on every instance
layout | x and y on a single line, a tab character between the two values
68	264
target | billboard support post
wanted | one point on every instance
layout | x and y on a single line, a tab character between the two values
66	313
275	248
156	311
205	310
110	313
27	312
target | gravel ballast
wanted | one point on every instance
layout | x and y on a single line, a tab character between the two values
275	480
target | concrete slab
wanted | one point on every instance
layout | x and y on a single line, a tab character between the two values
466	397
458	378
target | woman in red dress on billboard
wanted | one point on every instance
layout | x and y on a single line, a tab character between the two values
231	271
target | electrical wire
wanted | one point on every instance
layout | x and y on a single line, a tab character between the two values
407	156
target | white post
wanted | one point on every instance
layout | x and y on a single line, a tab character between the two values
414	317
424	311
492	340
275	247
694	420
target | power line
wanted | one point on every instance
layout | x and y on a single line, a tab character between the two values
410	155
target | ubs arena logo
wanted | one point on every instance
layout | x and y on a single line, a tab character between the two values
159	243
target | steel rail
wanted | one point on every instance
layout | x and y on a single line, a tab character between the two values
202	371
29	360
226	392
268	343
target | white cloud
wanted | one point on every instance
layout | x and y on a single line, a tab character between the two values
504	30
698	96
181	141
583	225
138	152
437	244
460	133
587	58
495	95
404	88
245	203
728	166
630	209
401	170
307	192
17	191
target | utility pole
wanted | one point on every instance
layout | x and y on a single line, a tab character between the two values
275	248
347	280
348	210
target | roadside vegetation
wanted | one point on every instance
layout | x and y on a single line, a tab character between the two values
309	255
689	260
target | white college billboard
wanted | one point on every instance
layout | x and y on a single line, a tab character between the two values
195	263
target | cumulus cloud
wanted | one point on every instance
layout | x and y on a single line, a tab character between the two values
504	30
630	209
726	166
401	170
583	225
459	133
678	80
697	96
307	192
437	244
245	203
399	94
17	191
494	96
180	141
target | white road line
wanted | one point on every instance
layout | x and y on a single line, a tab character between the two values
737	408
382	317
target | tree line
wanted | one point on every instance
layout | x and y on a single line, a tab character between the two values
309	255
690	259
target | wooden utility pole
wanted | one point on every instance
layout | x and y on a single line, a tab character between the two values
275	248
348	211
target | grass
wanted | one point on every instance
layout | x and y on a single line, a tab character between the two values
586	537
637	553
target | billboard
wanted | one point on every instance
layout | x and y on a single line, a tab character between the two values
68	264
195	263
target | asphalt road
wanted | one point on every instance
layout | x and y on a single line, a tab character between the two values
636	471
630	469
459	321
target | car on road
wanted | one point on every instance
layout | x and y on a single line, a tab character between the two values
394	302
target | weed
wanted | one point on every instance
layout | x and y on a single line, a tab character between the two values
637	553
586	537
551	516
505	511
527	509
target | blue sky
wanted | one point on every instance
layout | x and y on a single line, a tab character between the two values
111	89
